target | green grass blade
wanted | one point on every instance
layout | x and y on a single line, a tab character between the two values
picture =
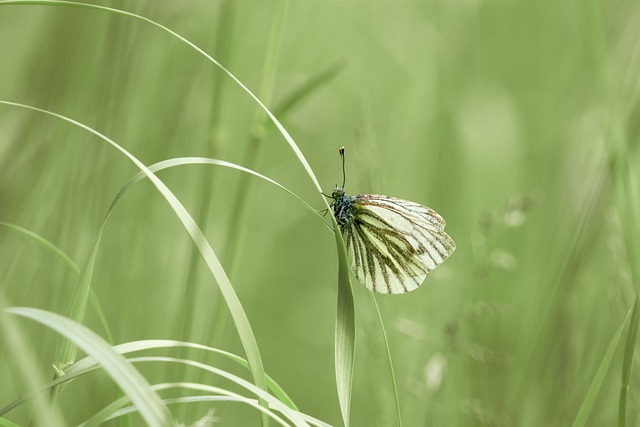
240	319
598	379
113	411
345	339
142	345
275	121
209	398
389	360
89	364
122	372
183	161
67	350
273	403
627	363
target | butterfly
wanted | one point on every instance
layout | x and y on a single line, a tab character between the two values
392	243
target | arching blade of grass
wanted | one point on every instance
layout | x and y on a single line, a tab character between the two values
598	379
209	398
122	372
389	360
113	411
273	403
275	121
183	161
345	339
60	254
240	319
89	364
134	346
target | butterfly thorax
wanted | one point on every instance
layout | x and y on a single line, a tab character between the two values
341	206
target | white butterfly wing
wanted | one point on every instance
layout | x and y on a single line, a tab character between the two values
393	243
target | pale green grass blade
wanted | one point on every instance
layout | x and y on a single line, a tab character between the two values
209	398
113	410
89	364
183	161
122	372
281	128
134	346
240	319
67	350
598	379
627	363
273	402
345	339
389	360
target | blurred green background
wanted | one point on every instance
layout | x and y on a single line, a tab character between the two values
516	121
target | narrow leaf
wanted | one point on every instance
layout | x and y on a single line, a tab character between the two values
122	372
345	340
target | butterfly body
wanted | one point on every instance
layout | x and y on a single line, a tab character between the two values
392	243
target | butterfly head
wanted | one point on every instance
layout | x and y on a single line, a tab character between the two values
338	193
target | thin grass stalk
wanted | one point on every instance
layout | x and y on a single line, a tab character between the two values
345	332
389	360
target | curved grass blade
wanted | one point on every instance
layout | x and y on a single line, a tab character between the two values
209	398
183	161
598	379
122	372
238	315
274	403
345	339
632	337
142	345
113	410
89	364
275	121
67	350
389	359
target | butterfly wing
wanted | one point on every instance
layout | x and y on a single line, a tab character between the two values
393	243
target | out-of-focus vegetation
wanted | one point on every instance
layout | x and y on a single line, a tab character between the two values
517	121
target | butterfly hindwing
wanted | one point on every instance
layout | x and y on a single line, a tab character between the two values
394	243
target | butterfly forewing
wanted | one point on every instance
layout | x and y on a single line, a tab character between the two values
394	243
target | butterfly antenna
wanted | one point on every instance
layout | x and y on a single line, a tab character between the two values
344	175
